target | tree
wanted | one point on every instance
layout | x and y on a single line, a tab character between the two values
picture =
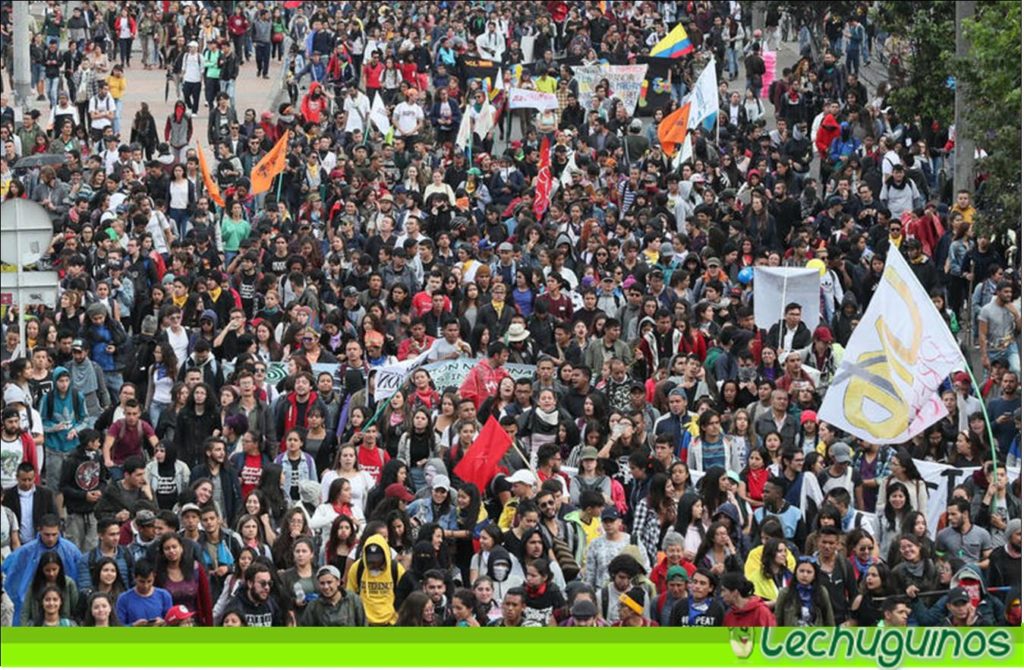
992	71
927	29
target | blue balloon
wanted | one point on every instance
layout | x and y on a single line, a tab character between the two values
746	275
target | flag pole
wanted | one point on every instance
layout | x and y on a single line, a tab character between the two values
984	412
782	317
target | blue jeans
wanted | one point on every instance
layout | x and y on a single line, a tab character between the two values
52	89
155	408
114	380
731	63
116	123
1010	354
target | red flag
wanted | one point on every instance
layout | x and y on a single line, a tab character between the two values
480	463
542	197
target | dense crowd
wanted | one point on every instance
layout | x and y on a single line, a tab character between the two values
192	435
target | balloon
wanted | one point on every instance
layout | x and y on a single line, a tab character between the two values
746	275
818	265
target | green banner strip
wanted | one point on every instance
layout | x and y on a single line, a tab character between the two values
459	647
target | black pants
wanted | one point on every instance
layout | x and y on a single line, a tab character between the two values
212	89
126	51
191	90
262	58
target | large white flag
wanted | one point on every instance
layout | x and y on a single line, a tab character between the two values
885	388
474	122
390	378
379	115
774	288
704	99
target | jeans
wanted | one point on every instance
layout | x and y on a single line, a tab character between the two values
37	74
81	529
180	218
1010	354
228	87
262	59
853	59
155	408
54	463
731	63
125	46
114	380
679	91
191	90
53	89
118	107
418	477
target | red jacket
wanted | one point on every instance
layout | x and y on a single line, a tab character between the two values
660	572
828	131
131	26
482	382
754	613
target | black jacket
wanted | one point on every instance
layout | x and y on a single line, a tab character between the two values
83	472
229	484
801	340
43	502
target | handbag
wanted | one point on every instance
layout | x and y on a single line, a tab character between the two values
277	38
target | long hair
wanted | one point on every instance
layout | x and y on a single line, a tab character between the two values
94	575
771	547
468	518
889	513
411	611
39	579
331	541
89	621
186	563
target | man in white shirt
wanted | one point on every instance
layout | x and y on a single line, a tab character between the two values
450	345
408	118
357	108
102	109
491	43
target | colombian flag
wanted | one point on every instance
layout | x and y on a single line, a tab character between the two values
674	45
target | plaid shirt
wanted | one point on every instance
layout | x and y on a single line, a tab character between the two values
647	530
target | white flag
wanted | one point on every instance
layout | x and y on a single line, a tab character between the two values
774	288
379	115
499	81
704	99
474	122
885	388
570	167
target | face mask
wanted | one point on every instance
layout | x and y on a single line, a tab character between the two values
501	571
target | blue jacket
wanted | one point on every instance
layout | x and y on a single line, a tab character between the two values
20	568
56	409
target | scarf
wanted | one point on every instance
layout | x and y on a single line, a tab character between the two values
179	302
914	569
83	377
214	293
858	567
550	418
536	591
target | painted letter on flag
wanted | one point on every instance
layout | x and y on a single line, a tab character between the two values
774	288
524	98
270	166
480	463
885	388
390	378
543	193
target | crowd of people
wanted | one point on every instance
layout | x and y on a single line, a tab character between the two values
192	434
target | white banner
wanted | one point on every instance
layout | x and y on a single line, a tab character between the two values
390	378
774	288
704	99
885	388
941	479
625	82
524	98
379	115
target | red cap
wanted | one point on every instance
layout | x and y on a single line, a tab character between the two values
177	614
824	334
807	415
962	377
399	491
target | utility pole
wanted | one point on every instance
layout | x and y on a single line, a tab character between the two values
963	151
757	14
22	62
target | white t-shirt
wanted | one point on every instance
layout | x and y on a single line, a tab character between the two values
10	458
406	117
361	485
357	108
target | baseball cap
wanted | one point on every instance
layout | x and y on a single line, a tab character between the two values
505	246
824	334
399	491
329	570
188	507
177	614
588	453
610	513
145	517
807	415
958	594
77	344
714	261
841	452
519	477
583	609
441	482
14	394
677	572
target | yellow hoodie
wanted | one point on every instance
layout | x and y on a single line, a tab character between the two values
376	591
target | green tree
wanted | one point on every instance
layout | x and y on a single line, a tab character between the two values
928	29
993	76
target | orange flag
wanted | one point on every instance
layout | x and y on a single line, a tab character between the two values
672	129
270	166
211	186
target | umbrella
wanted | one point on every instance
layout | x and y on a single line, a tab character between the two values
39	160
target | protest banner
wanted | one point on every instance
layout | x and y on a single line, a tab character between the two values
625	82
774	288
941	479
524	98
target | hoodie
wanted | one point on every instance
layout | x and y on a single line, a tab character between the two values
755	614
828	132
68	411
83	472
376	588
504	571
969	577
843	320
423	559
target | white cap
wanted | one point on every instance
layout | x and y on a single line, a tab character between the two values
522	477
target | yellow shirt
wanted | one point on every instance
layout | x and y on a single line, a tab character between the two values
376	591
967	212
117	86
546	84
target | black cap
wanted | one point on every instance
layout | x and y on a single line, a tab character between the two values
958	595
